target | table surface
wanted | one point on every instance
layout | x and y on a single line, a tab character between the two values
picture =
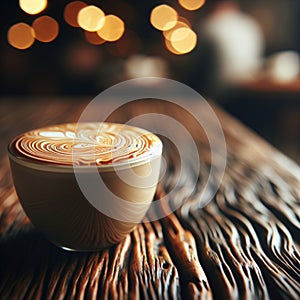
243	244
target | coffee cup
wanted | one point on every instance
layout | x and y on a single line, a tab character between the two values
86	186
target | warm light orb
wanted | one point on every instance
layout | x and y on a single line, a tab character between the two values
191	4
93	38
163	17
33	7
169	46
71	12
112	29
183	40
45	28
181	23
91	18
20	36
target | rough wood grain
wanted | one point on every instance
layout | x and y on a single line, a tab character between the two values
243	245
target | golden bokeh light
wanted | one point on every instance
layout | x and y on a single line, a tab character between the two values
93	38
169	46
33	7
20	36
45	29
91	18
191	4
183	40
163	17
71	12
181	23
112	29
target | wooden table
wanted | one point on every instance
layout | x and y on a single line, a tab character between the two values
244	244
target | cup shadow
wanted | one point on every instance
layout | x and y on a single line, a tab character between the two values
27	258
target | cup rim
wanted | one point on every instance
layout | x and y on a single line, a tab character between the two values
53	167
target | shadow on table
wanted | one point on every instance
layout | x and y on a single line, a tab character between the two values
29	259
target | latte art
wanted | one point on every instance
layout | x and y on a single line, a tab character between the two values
97	144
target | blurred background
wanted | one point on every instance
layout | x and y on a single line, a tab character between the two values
242	54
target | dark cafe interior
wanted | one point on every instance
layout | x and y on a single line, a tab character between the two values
262	91
243	58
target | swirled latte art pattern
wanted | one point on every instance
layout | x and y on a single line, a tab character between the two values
86	144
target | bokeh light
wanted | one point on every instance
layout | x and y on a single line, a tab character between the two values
91	18
20	36
33	7
145	66
163	17
169	46
183	40
93	38
112	29
181	23
191	4
45	28
71	12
